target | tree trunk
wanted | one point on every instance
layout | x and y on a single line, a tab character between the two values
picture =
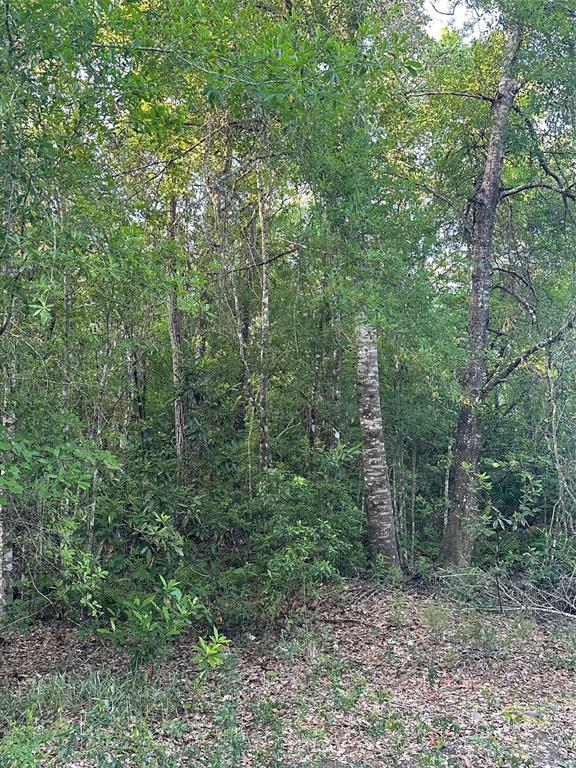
331	375
137	404
563	510
377	497
458	540
333	437
264	327
413	507
181	444
9	425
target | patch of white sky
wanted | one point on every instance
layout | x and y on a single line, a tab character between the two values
456	15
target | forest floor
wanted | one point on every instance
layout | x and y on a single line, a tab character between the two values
365	678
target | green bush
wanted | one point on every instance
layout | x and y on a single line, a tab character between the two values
145	625
311	530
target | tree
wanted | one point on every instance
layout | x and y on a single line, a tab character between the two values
458	539
181	442
267	270
377	497
526	35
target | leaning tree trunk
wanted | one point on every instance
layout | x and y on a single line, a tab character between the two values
458	540
377	497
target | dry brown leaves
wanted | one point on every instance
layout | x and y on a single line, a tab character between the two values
366	678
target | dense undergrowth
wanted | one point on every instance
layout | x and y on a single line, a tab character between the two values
169	558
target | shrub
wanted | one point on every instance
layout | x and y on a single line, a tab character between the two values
145	625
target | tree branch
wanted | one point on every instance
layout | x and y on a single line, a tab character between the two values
566	192
256	264
539	154
464	94
503	373
516	276
523	303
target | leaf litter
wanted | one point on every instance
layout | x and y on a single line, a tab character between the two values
362	677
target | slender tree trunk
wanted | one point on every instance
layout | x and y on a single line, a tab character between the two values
458	540
312	409
562	513
264	326
413	506
332	390
136	405
446	508
175	331
66	373
399	493
242	324
2	579
335	396
321	409
181	443
9	425
377	497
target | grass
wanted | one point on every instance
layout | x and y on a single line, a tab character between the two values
104	716
97	695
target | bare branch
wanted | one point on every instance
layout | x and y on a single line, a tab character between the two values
444	13
566	192
255	264
523	303
539	154
516	276
501	375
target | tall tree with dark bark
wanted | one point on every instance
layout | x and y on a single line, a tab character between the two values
458	537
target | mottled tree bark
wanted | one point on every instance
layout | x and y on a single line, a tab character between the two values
458	540
377	497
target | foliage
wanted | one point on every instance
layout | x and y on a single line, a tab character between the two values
145	625
211	653
198	203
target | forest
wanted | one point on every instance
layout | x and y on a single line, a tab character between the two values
287	383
